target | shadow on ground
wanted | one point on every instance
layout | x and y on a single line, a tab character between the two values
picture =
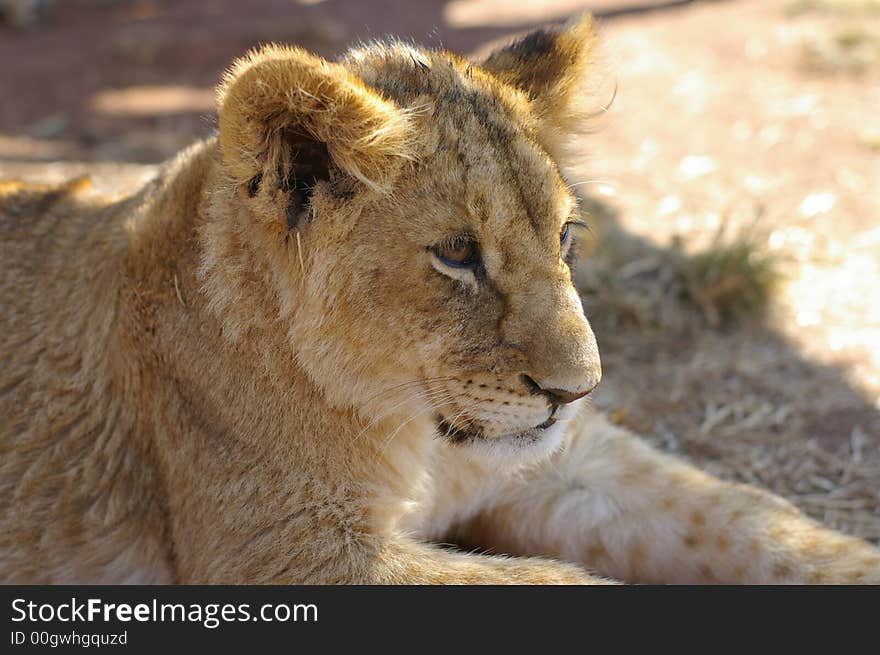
738	398
132	81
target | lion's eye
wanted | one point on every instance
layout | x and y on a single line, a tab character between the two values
460	252
567	245
565	235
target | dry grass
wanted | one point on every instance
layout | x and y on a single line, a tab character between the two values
852	49
849	41
633	283
838	7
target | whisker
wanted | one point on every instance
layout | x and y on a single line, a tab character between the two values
410	382
426	394
451	421
604	108
574	185
397	430
394	433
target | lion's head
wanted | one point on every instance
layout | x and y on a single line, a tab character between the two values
416	230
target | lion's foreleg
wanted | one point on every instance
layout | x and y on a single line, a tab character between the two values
612	503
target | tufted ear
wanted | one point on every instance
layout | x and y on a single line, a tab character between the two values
552	66
289	120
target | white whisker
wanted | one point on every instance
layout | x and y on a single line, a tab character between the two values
426	394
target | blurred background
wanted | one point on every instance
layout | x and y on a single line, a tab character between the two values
733	270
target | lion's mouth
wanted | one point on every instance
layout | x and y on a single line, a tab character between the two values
458	435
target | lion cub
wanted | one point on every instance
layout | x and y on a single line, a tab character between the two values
343	329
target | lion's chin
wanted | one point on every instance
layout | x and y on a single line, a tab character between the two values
528	446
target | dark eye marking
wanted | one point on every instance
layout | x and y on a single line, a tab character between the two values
253	185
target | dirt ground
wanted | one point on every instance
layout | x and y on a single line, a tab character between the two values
749	115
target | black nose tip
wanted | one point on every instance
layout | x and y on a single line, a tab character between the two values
555	396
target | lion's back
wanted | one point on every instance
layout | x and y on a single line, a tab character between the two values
57	244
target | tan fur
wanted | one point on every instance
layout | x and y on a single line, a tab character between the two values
257	369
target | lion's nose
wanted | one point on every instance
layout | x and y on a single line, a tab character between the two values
563	397
557	396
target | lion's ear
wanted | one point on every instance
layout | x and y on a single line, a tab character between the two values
552	66
289	120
